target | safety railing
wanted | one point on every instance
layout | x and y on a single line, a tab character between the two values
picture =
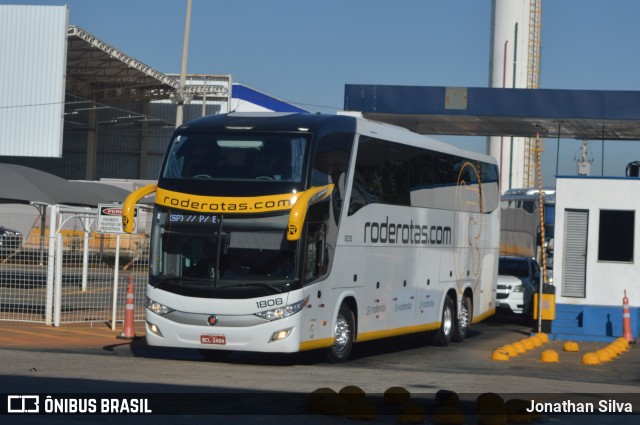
83	279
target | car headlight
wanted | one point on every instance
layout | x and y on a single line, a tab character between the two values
282	312
519	288
157	308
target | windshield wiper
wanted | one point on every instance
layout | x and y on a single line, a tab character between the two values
274	288
170	279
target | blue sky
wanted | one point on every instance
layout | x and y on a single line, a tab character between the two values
305	52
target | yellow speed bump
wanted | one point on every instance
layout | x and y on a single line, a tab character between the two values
613	353
486	400
510	349
623	347
571	346
396	396
543	337
352	393
447	398
549	356
325	401
603	355
616	348
528	344
520	347
590	359
536	341
624	342
500	354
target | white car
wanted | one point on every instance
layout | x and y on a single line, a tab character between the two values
518	279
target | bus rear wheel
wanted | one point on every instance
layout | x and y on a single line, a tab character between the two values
443	335
463	322
343	336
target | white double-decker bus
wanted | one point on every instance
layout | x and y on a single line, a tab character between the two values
294	232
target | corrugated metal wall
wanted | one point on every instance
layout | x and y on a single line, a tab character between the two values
123	136
33	42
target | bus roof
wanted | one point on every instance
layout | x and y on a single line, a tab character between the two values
320	123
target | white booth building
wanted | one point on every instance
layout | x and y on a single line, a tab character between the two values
597	257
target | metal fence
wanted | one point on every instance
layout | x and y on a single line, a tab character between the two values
73	274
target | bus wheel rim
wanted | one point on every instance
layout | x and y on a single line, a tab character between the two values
447	321
464	317
343	334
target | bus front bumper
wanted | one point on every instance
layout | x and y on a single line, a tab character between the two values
278	336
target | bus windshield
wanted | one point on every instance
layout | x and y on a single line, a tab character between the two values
228	156
204	255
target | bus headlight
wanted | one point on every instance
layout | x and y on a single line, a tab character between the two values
519	288
282	312
157	308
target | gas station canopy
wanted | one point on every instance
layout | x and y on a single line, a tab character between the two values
474	111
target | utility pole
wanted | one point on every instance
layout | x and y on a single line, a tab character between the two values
183	69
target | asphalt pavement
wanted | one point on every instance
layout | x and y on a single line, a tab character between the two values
617	379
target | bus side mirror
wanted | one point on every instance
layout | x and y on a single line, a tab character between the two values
299	210
129	205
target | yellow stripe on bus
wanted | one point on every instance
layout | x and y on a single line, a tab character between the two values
369	336
315	344
226	204
484	316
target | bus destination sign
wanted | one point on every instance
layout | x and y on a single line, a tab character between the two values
200	219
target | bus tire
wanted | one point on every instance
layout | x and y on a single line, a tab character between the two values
443	336
343	336
463	320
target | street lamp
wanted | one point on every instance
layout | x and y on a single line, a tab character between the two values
183	69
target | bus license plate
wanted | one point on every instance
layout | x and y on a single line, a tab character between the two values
213	339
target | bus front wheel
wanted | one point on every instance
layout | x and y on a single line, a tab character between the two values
343	336
443	335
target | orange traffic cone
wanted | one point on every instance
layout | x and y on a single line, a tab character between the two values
129	331
626	319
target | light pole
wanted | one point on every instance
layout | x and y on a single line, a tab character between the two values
183	68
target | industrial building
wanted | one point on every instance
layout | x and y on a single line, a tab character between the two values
118	112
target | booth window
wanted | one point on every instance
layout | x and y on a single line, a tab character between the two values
616	235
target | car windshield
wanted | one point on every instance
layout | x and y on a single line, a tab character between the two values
513	267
